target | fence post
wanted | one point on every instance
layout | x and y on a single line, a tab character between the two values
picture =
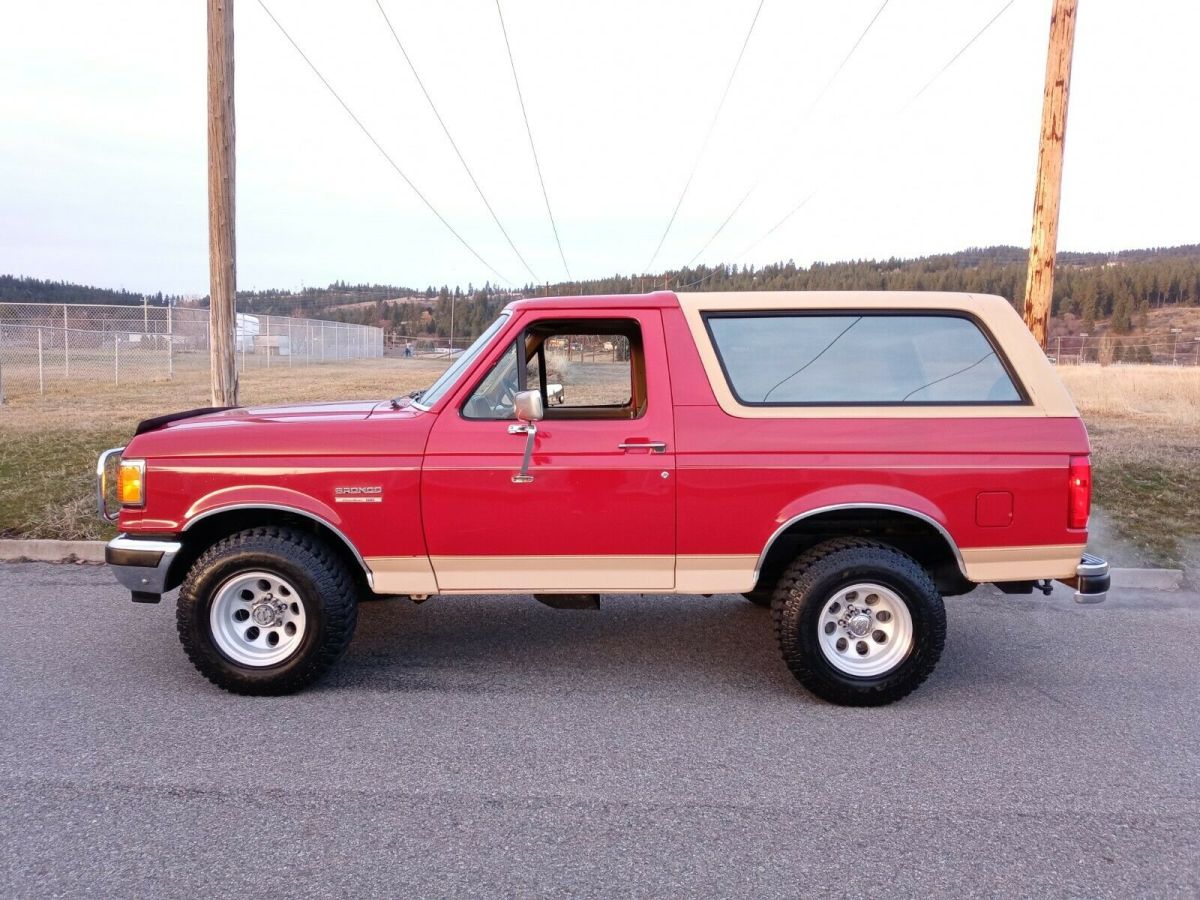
170	345
267	342
116	359
1	365
41	380
66	347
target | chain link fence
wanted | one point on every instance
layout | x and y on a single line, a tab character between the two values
44	344
424	346
1176	349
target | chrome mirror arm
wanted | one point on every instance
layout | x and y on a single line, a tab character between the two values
529	429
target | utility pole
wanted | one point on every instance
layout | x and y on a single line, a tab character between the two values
222	258
1043	242
453	297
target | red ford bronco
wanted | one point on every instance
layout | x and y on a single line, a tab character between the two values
847	459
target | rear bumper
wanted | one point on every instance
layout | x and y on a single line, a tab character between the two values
1091	581
141	565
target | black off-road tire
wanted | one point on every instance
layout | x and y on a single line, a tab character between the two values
326	588
815	577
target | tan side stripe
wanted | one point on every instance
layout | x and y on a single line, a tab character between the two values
585	574
401	575
1021	563
715	574
686	574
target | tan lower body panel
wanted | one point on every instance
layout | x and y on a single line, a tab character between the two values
1021	563
554	574
704	574
687	574
401	575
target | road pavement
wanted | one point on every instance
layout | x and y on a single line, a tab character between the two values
490	746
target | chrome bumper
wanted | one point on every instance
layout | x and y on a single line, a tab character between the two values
141	565
1091	580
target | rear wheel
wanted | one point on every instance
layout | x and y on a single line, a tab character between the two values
859	623
266	611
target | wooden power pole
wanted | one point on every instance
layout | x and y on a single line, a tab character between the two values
1043	242
222	248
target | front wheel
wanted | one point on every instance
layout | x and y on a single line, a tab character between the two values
266	611
859	622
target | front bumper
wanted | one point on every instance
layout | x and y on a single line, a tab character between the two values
141	564
1091	581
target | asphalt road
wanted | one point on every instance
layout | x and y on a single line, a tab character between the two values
494	747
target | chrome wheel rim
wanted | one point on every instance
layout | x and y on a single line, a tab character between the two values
257	619
865	630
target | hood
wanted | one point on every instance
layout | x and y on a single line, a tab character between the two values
338	410
301	429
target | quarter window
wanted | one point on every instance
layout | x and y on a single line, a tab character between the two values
859	359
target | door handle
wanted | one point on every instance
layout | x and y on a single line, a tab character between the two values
652	446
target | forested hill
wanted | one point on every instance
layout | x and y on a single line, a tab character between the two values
1120	286
15	289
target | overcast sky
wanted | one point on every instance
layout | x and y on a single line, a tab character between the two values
103	157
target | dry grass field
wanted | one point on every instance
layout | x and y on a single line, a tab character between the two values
1144	422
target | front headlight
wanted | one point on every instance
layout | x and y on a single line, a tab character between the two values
131	482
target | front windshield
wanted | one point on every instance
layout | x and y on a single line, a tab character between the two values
451	375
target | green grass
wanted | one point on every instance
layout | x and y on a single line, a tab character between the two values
47	483
1148	483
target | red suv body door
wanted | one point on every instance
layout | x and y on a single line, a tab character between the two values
596	516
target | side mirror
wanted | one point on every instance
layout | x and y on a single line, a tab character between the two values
528	406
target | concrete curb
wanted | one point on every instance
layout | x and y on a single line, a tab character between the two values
12	550
52	551
1150	579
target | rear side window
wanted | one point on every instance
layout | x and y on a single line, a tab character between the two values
868	359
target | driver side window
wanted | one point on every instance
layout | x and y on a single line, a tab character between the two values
493	399
584	369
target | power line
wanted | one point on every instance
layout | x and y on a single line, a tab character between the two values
707	136
466	168
795	209
379	147
533	149
964	49
804	119
846	58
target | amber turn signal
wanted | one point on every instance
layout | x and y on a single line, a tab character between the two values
131	482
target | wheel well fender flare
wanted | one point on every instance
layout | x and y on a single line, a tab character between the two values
274	506
841	507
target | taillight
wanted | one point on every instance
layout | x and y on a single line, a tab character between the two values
1079	492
